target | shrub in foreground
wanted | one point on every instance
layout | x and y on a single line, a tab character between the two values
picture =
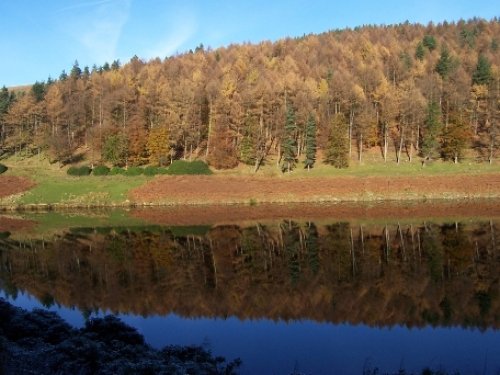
101	170
116	170
3	168
133	171
150	171
186	167
79	171
153	171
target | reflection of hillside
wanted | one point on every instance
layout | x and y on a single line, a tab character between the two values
376	275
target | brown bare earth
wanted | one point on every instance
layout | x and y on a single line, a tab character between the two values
230	214
10	185
11	224
227	189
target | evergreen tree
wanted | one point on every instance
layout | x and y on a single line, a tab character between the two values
445	64
5	99
310	138
76	72
38	91
482	74
115	65
430	42
419	51
247	145
115	149
431	131
247	150
63	76
288	142
86	72
338	143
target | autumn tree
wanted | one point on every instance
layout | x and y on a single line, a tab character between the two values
229	105
158	145
454	140
431	131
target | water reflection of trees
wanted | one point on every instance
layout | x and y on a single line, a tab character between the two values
376	274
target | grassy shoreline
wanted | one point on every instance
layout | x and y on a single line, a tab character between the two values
370	182
47	207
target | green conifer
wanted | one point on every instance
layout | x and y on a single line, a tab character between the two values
338	143
288	142
310	138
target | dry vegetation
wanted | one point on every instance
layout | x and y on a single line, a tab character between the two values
238	189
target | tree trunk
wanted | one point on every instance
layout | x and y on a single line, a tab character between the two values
401	141
417	141
210	117
410	151
351	122
386	142
492	148
360	148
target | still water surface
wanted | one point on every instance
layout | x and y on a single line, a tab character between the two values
315	296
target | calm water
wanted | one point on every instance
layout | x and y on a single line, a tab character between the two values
316	296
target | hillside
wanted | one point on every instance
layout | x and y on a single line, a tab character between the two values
408	90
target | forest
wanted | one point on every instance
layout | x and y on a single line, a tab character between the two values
410	92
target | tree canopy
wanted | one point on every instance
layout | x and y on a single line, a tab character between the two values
230	105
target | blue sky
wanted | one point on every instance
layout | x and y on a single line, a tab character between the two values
41	38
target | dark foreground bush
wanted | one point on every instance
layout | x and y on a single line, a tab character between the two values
79	171
101	170
188	167
116	170
153	171
3	168
133	171
41	340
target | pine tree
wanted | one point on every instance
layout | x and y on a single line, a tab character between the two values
288	142
5	99
430	42
444	65
482	74
38	91
310	138
432	130
76	72
419	51
338	143
115	149
247	145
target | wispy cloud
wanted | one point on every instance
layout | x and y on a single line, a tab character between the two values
180	30
85	4
97	26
